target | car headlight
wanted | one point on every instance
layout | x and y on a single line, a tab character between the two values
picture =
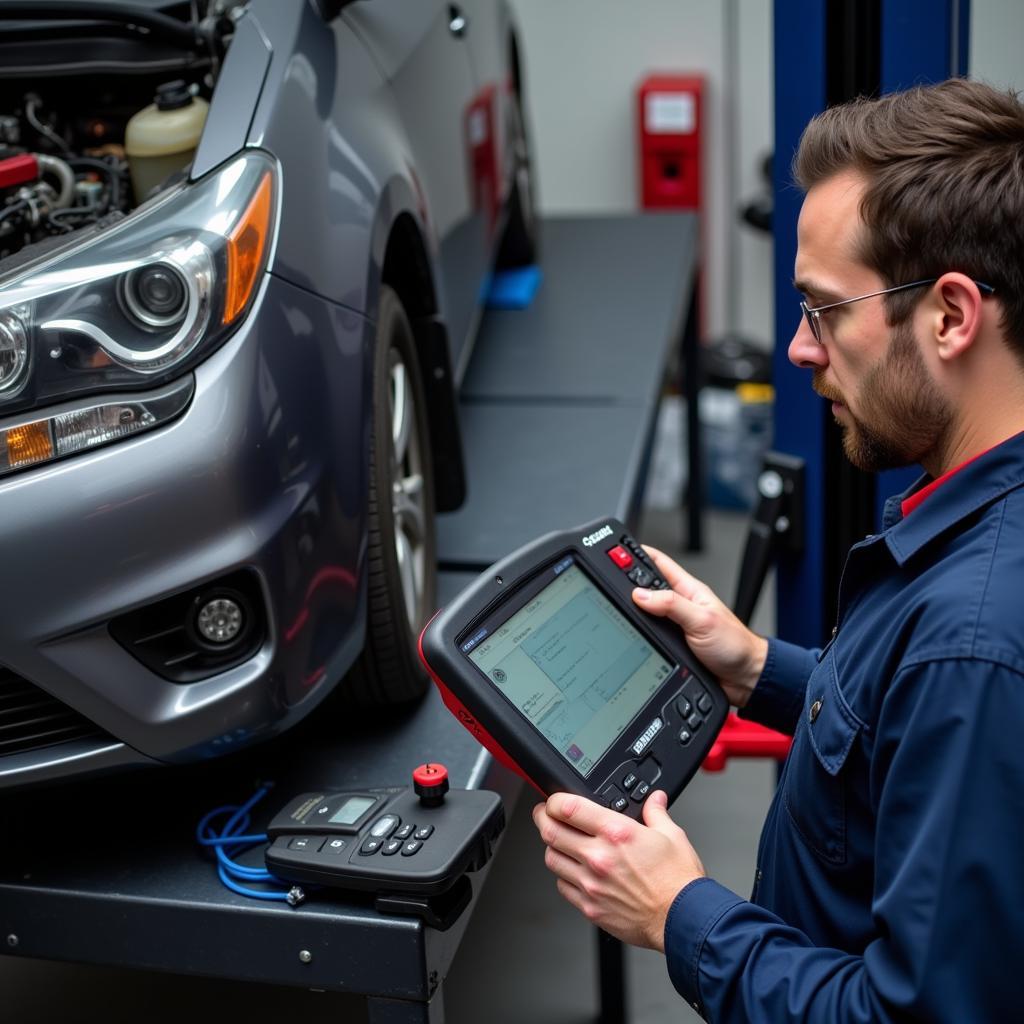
138	303
130	307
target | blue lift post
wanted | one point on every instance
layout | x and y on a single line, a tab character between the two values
828	51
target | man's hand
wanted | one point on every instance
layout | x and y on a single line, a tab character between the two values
732	653
621	875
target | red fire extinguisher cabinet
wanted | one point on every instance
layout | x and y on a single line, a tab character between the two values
670	119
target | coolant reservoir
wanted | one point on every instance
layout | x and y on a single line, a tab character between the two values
162	138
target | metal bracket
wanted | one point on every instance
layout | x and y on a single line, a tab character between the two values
777	525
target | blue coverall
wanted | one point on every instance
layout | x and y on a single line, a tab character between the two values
890	874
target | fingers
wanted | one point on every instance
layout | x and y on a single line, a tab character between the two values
659	797
584	882
569	823
675	575
572	895
588	817
656	814
565	868
623	875
668	604
557	835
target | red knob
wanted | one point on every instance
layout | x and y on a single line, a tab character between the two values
430	781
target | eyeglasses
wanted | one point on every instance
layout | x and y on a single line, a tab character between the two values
814	315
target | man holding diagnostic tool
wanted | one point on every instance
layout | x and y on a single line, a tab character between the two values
888	881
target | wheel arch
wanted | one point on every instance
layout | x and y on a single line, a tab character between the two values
406	268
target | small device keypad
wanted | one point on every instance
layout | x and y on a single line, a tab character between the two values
390	835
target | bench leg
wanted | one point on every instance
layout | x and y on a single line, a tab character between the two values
611	974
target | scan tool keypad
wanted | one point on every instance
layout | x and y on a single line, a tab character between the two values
684	714
631	558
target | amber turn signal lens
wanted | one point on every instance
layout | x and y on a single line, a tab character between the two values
246	248
29	443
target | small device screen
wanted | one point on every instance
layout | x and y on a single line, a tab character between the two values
352	810
573	666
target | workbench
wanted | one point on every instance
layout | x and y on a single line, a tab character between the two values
108	871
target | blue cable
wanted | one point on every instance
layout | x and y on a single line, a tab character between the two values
231	841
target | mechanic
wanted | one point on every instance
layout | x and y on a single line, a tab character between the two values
889	883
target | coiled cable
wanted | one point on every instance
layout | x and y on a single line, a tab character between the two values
231	840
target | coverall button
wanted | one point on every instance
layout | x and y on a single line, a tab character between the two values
815	708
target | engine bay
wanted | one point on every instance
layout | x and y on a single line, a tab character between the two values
83	141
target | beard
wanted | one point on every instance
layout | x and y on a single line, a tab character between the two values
903	417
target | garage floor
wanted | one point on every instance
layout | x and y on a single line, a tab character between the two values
526	957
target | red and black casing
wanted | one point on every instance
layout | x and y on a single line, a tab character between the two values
663	760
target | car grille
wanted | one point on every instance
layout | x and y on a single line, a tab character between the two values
31	719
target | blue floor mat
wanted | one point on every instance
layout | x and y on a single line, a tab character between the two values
513	289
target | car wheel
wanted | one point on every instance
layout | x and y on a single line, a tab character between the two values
520	243
401	562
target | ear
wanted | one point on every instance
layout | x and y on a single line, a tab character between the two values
957	314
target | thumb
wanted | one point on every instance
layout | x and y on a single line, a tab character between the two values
656	813
668	604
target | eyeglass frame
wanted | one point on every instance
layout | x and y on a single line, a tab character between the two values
813	315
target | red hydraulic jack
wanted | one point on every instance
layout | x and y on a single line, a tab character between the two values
740	738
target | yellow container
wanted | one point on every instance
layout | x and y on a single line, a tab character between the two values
162	138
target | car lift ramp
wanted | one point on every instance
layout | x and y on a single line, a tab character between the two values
559	403
108	872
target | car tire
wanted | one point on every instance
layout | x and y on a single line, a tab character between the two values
401	544
520	241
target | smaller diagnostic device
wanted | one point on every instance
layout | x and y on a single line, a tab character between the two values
547	660
418	841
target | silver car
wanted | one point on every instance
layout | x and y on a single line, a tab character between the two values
242	253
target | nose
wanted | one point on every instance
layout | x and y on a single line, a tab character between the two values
804	349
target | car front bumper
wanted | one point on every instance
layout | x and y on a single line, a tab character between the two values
265	470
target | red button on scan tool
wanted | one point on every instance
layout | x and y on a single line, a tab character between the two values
621	557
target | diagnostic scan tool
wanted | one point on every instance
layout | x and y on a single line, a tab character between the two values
550	664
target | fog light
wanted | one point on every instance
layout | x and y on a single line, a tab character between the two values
220	621
196	633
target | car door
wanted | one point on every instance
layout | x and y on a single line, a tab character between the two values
487	31
422	52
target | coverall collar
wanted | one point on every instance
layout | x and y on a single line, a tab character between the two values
979	483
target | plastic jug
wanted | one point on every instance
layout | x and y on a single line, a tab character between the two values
162	138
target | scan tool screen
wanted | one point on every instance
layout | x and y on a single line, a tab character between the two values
573	666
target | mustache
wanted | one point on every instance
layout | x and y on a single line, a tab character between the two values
826	390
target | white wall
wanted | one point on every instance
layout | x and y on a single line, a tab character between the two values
997	30
754	124
583	60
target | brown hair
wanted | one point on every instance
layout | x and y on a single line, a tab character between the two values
945	170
